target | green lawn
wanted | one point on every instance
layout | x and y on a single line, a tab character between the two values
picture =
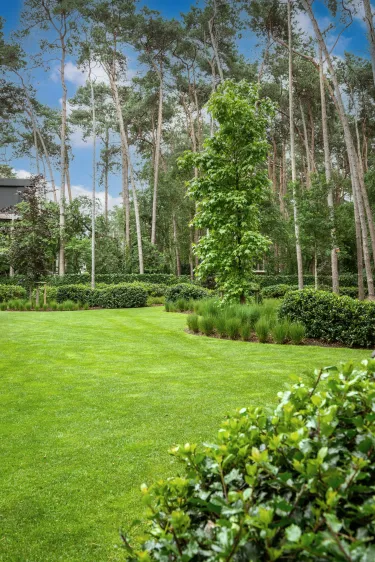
91	401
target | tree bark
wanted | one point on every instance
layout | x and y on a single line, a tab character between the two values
328	174
106	174
371	33
292	153
157	160
307	149
136	209
175	240
62	157
352	155
93	209
67	177
124	154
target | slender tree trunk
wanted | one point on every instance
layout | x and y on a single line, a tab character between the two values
175	240
316	269
106	174
67	176
49	165
93	209
292	152
136	209
352	155
157	160
62	163
358	238
307	149
215	49
370	32
312	147
328	174
124	154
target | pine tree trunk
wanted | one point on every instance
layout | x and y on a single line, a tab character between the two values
124	154
370	32
136	209
358	238
175	240
328	174
67	176
157	159
316	269
306	143
352	155
93	210
62	163
292	153
106	174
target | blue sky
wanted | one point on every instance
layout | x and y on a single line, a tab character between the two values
49	90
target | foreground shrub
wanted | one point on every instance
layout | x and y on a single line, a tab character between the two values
291	486
262	330
331	318
11	292
193	323
297	332
186	291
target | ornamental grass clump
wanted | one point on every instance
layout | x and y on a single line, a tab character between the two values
206	325
193	323
233	326
281	332
297	332
293	485
245	332
262	330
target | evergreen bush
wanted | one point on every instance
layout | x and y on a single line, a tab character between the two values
186	291
11	292
293	485
331	318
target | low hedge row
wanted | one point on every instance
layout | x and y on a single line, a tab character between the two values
331	318
109	279
186	291
8	292
126	295
346	280
279	291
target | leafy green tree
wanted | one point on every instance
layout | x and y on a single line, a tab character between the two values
35	234
231	184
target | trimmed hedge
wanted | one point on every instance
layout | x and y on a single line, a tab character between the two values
277	291
118	278
331	318
186	291
8	292
293	484
112	296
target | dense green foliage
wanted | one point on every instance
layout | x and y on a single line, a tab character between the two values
110	279
124	295
296	484
231	184
91	401
185	291
331	318
11	292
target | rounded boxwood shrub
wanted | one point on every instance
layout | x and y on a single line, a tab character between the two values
331	318
277	291
293	485
186	291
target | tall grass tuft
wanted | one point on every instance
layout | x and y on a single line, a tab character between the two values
262	330
193	323
233	326
206	325
28	305
221	325
280	332
245	332
297	332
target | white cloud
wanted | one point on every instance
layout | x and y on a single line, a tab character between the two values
81	191
22	174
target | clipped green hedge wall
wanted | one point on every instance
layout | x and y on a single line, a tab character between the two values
331	318
293	484
186	291
346	280
115	279
8	292
112	296
277	291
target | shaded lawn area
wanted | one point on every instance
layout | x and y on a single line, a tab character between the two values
90	403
